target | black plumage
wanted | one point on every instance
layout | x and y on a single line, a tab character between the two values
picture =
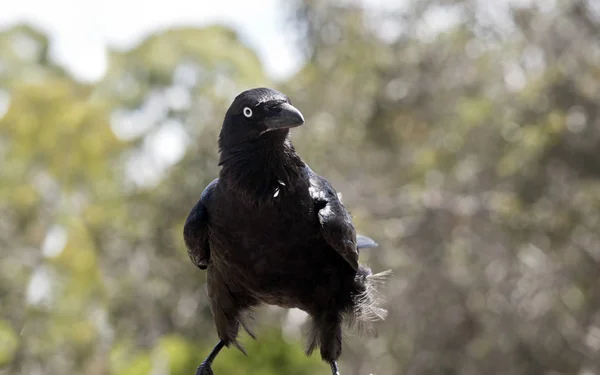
270	230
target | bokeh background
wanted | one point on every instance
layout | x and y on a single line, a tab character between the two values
464	136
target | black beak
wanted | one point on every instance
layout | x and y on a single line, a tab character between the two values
284	116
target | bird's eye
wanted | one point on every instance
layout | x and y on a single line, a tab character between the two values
247	112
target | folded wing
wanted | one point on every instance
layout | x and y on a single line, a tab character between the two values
195	230
336	224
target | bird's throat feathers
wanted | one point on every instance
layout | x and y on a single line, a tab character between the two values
256	170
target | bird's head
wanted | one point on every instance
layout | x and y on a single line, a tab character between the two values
259	113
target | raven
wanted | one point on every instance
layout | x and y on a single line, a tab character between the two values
270	230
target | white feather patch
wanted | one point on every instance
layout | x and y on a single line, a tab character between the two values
316	193
325	213
312	189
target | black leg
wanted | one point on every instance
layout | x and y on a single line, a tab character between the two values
205	368
334	368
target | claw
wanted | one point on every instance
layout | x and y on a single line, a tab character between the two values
204	369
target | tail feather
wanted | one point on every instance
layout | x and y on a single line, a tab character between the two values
312	336
245	318
325	332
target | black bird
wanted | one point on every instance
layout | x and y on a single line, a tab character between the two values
270	230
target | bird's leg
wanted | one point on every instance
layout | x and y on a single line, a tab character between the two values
204	368
334	368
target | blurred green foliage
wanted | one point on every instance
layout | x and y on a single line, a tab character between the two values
469	152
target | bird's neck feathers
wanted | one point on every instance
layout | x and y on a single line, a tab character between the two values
256	170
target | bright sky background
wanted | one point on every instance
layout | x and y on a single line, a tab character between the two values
81	30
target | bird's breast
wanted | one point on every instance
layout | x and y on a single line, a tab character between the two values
258	238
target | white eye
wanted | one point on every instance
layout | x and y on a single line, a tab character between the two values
247	112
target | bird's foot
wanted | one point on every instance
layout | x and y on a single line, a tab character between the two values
204	369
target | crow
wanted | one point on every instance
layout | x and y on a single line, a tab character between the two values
270	230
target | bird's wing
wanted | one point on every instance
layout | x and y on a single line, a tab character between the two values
195	230
336	224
